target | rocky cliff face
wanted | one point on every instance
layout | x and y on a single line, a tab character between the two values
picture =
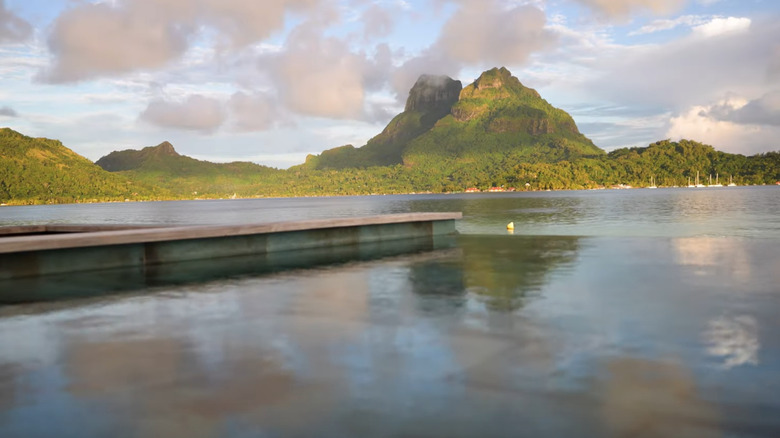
164	148
432	93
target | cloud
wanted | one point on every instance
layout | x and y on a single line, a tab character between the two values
103	39
13	29
430	62
690	70
623	9
98	39
196	113
701	26
320	76
668	24
483	32
734	340
377	22
762	111
241	22
719	26
703	123
253	112
7	111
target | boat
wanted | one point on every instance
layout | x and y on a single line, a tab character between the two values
717	184
731	182
697	180
652	183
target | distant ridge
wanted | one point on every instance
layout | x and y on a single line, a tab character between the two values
162	166
130	159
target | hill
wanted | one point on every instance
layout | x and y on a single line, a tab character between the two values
446	127
673	163
184	176
39	170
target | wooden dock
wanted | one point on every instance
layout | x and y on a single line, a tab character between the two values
37	250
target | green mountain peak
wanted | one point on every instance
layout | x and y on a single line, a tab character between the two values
496	114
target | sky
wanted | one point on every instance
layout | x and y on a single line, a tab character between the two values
271	81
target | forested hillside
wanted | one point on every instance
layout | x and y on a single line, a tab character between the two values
34	170
183	176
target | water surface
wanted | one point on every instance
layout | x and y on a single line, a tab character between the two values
611	313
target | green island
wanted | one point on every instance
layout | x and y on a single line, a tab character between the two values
492	135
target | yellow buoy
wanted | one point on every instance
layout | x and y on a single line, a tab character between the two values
510	226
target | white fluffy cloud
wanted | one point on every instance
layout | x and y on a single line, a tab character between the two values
719	26
691	70
484	32
99	39
253	112
13	28
196	113
322	76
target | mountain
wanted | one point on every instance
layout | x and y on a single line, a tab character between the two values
495	116
36	170
430	99
162	166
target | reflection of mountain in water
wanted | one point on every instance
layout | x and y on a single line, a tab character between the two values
503	270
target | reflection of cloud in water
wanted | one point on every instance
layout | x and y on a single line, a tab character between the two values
728	255
733	339
655	398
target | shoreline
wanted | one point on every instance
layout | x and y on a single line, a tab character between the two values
13	203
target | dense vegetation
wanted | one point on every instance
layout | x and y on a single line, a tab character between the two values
40	170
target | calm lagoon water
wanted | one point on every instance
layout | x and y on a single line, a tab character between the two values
606	313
